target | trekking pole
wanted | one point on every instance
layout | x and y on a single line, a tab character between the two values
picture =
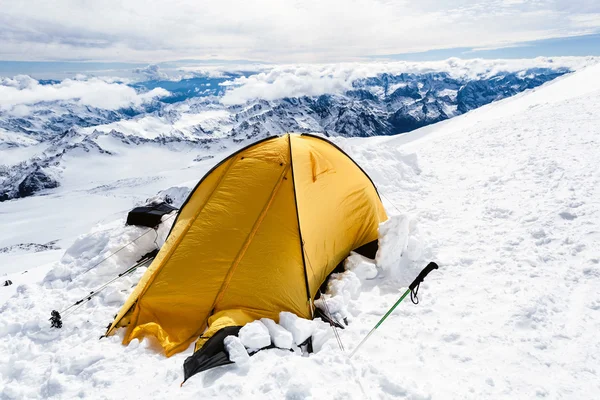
413	288
56	317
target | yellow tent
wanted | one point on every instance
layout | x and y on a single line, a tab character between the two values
259	234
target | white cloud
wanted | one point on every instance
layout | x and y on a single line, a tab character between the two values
19	92
275	30
591	20
292	81
316	79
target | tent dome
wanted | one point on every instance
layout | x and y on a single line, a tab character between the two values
258	235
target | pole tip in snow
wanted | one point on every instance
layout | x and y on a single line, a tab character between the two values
55	319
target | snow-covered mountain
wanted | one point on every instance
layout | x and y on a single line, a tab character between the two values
220	109
505	198
380	105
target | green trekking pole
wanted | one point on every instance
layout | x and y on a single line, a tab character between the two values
413	288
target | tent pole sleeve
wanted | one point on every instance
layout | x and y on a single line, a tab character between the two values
308	293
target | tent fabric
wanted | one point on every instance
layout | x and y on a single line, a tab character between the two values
258	235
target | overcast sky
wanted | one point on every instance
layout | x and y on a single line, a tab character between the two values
277	30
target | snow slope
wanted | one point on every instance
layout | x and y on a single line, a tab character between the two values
95	188
506	198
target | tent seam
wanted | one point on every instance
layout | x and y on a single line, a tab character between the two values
214	168
175	245
247	242
233	155
302	250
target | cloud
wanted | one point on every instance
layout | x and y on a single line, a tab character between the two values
151	72
316	79
291	81
277	31
17	93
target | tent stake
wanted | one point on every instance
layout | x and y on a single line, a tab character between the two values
413	289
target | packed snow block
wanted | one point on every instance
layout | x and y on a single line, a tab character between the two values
280	337
300	328
322	333
341	289
333	308
175	196
347	285
399	246
363	267
149	215
236	350
393	239
255	335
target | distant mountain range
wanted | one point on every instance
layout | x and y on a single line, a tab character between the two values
193	113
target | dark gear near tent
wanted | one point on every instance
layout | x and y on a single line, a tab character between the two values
149	215
258	235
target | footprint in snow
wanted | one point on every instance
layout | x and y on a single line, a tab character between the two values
567	216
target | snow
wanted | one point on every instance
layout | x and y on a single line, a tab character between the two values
399	245
96	188
399	248
255	335
210	119
363	267
187	124
148	126
235	350
321	335
447	92
16	263
341	288
506	199
32	274
300	328
110	246
279	335
15	139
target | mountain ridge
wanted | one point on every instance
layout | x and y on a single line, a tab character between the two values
384	104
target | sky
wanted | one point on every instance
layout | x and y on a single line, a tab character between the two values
584	45
283	31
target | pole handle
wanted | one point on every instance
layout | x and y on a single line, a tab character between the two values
430	267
